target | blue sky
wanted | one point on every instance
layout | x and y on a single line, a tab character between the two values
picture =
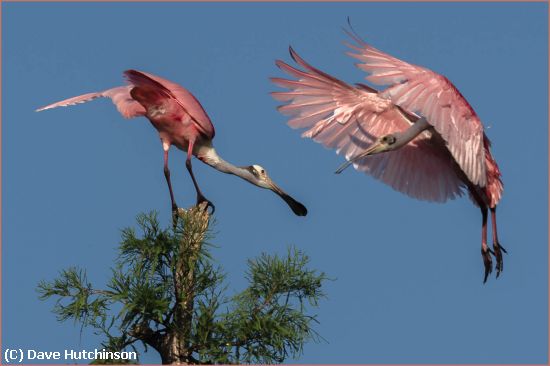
408	274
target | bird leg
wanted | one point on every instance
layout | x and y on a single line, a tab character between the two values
167	176
497	248
485	250
200	196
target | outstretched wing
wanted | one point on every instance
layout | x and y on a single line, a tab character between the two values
120	96
180	95
421	90
349	119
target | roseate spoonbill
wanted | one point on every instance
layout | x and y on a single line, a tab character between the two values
181	121
432	155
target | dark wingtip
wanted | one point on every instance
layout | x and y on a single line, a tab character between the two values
292	53
129	72
352	33
348	20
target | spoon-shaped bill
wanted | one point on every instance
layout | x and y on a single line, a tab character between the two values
297	207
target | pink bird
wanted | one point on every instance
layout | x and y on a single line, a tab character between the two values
419	135
181	121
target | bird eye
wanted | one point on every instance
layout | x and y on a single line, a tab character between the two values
262	171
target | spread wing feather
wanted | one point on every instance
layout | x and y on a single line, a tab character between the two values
349	119
432	95
120	96
129	107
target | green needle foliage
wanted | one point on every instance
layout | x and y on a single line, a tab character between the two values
166	292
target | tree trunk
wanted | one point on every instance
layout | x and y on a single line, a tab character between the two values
177	340
174	345
173	353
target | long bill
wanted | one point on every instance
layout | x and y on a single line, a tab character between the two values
374	149
297	207
209	156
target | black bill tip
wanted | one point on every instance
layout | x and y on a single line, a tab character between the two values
297	207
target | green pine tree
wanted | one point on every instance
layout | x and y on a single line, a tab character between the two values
166	292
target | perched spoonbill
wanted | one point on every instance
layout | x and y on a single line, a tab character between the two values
181	121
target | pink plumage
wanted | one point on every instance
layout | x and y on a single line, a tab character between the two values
439	148
348	119
418	89
176	93
180	121
126	105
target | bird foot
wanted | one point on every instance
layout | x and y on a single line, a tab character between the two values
487	261
201	199
497	252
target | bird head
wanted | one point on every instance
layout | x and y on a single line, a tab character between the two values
382	144
261	179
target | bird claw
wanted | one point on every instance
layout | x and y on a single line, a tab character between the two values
487	261
497	252
202	199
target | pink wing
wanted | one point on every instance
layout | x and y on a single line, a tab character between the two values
182	96
418	89
349	119
120	96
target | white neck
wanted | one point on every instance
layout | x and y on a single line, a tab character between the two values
209	155
410	133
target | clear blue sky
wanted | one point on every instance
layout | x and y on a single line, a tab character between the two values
408	274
